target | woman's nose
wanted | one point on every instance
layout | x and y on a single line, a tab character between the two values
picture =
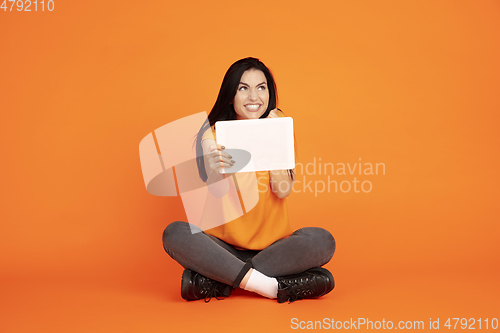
253	95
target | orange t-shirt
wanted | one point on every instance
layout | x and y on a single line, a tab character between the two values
262	225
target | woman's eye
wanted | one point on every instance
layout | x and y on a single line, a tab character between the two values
242	88
262	88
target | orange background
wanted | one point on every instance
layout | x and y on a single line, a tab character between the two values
411	84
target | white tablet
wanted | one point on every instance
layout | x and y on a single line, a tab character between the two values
269	142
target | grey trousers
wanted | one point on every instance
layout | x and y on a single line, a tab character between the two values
208	255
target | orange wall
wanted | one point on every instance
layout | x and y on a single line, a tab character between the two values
413	85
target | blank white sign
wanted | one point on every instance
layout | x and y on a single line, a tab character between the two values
269	142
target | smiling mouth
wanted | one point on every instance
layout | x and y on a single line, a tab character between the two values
252	107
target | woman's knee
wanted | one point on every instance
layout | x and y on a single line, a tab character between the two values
323	241
328	240
173	232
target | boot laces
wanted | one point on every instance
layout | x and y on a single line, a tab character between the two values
300	288
210	288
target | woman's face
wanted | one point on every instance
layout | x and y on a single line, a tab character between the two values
252	97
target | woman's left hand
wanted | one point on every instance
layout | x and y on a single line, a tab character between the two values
273	114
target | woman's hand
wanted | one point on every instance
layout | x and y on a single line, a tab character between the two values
281	183
215	157
218	158
274	113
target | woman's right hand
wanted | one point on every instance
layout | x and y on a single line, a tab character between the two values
218	158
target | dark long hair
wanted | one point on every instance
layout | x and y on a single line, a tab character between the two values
223	108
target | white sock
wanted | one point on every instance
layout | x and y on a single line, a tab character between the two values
262	284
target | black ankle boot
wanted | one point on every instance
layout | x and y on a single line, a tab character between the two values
196	286
313	283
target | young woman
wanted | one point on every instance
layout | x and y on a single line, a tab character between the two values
257	251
